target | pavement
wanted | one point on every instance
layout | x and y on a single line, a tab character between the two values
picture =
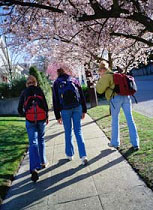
107	183
144	95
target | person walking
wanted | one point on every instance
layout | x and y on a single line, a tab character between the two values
33	105
69	108
106	85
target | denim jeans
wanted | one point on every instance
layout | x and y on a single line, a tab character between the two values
36	134
123	102
68	116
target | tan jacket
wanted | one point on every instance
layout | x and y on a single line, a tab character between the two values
106	85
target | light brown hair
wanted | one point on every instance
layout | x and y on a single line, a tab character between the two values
31	80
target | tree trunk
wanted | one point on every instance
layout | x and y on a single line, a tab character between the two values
110	60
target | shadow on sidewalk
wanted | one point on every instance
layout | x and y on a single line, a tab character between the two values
49	137
129	152
33	192
94	121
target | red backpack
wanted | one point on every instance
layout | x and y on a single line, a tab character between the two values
34	108
124	84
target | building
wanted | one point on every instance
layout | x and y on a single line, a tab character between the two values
3	61
9	70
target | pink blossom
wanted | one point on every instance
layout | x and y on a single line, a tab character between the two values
52	70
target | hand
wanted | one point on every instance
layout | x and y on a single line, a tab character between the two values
47	121
60	121
83	115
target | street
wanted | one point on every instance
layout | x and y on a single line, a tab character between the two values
144	95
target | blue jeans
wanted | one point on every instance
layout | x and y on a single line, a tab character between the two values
36	134
68	116
123	102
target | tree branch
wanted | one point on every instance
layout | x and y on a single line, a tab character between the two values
144	20
96	6
149	43
72	4
117	12
29	4
137	5
102	26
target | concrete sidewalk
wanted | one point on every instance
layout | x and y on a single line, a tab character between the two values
107	183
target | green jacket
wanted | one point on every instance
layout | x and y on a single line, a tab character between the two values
106	85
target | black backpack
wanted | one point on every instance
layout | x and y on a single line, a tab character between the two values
68	93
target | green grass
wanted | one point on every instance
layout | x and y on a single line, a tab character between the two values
13	145
142	160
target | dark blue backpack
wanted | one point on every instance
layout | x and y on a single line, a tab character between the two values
69	96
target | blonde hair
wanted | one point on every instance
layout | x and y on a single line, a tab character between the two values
31	80
104	65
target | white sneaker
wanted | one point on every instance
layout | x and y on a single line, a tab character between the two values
69	157
44	165
84	160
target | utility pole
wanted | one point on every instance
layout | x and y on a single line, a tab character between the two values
91	88
8	60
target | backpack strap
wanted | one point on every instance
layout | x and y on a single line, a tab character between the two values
135	99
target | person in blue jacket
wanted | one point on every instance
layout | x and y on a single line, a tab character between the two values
70	115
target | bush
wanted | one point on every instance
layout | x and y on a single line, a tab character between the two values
46	89
33	71
4	90
86	92
43	83
12	90
18	86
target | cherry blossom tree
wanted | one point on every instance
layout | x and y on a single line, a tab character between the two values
80	31
139	11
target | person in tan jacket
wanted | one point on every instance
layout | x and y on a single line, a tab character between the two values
106	85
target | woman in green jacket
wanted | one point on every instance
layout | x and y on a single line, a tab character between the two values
106	85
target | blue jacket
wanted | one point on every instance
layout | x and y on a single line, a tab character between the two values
56	103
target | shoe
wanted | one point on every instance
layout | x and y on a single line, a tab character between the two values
110	145
84	161
34	176
38	169
44	165
69	157
136	148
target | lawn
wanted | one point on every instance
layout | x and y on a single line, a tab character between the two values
142	160
13	145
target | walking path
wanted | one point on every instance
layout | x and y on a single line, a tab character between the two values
107	183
